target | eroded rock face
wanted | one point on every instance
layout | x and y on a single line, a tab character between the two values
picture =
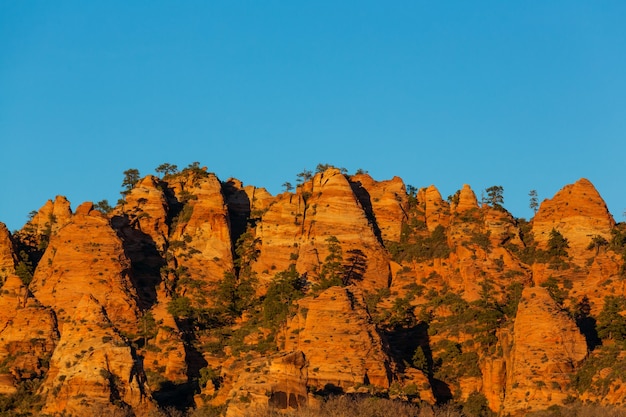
547	348
298	226
201	239
86	257
93	366
7	253
387	201
435	209
147	209
278	381
467	200
48	220
28	334
579	213
339	341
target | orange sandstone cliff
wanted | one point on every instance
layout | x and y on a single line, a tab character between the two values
197	293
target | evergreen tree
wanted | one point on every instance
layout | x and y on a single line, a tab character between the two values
495	196
534	202
332	269
131	177
557	244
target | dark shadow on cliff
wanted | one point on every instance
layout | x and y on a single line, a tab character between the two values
181	395
402	344
586	323
364	198
146	261
239	209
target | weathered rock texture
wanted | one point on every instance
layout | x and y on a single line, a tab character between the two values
341	344
447	300
28	335
279	381
547	348
7	253
86	257
297	226
579	213
94	367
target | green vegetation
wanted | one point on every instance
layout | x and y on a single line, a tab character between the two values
131	177
495	197
286	287
24	268
611	322
414	246
303	176
24	402
103	206
287	186
335	271
534	201
166	170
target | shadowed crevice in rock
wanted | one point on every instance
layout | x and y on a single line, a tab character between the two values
146	261
181	395
364	198
239	209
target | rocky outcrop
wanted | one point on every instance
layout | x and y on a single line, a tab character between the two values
147	210
579	213
28	335
466	200
339	341
93	368
201	239
278	381
48	220
387	201
547	349
124	304
7	253
298	226
437	211
86	257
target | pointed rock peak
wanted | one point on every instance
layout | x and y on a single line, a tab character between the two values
578	199
432	195
60	209
50	217
467	199
397	180
7	253
149	181
578	213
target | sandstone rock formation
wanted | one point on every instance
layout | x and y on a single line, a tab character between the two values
86	257
201	238
387	201
28	335
279	381
7	253
339	341
297	226
547	348
147	208
48	220
445	301
579	213
93	368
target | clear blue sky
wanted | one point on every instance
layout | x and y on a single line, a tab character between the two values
523	94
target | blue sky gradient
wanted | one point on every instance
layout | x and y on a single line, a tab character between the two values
527	95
